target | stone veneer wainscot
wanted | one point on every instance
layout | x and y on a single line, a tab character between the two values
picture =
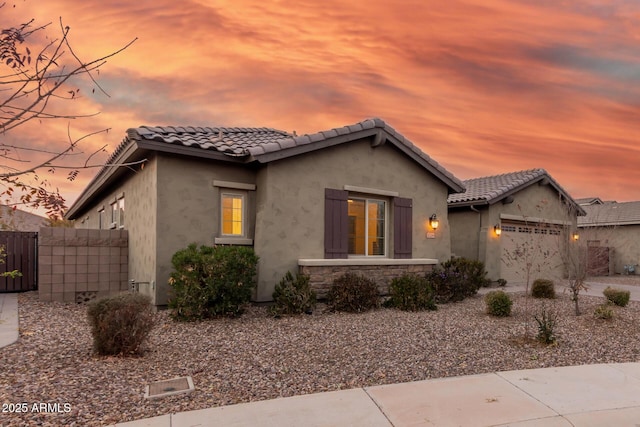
323	272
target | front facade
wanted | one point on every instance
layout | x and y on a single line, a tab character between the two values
356	197
611	231
517	224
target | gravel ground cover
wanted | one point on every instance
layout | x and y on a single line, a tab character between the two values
257	357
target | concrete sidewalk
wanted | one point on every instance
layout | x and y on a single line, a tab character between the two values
590	395
8	319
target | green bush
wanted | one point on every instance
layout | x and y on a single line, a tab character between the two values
546	326
543	288
410	292
458	279
498	303
603	311
354	293
120	324
293	296
211	281
617	296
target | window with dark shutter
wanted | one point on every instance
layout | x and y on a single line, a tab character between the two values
335	224
402	227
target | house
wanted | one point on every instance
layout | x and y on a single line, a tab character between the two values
19	220
356	198
508	221
611	232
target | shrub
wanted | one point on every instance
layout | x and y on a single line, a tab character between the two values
617	296
410	292
498	303
211	281
546	325
120	324
354	293
293	296
543	288
603	311
502	282
458	279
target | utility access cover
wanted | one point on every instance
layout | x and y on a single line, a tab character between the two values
170	387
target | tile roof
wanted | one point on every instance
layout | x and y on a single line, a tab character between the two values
611	213
262	145
492	189
589	201
232	141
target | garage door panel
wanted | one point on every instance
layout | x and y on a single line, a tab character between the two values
537	245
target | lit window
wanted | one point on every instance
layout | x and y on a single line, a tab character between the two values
232	214
367	227
121	213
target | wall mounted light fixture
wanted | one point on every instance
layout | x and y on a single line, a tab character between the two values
434	222
497	229
575	235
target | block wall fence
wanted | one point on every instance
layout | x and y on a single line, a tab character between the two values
78	265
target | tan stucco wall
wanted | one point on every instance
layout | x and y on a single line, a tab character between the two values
290	204
624	239
535	201
140	220
188	207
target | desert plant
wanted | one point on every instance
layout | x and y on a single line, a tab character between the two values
546	326
457	279
293	296
211	281
502	282
354	293
543	288
410	292
603	311
120	324
617	296
498	303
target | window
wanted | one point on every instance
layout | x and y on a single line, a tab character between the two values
101	224
367	225
233	214
117	213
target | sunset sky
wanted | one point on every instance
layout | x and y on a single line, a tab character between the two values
483	87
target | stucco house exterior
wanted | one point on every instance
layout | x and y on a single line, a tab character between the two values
509	220
611	231
358	197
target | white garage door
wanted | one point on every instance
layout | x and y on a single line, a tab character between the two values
537	244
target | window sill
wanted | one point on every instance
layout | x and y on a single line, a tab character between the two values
367	261
233	241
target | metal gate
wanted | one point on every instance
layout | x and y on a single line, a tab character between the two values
20	253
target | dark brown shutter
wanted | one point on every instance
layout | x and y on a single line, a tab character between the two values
335	224
402	227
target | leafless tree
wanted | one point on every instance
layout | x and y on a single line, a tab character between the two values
33	76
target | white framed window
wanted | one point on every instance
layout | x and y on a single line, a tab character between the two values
367	227
117	213
233	217
101	223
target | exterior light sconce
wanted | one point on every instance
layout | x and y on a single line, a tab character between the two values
434	222
575	236
497	230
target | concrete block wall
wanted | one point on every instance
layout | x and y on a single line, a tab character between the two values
77	265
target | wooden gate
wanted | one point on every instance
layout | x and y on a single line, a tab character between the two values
20	253
598	261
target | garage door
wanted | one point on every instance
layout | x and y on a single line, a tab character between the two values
537	244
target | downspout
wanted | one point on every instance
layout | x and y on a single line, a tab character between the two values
479	230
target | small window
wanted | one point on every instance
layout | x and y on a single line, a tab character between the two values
233	217
117	213
101	224
114	215
367	227
121	213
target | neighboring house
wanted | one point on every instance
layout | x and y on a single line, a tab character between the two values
614	228
357	198
509	220
18	220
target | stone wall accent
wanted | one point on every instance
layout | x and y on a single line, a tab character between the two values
77	265
322	276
